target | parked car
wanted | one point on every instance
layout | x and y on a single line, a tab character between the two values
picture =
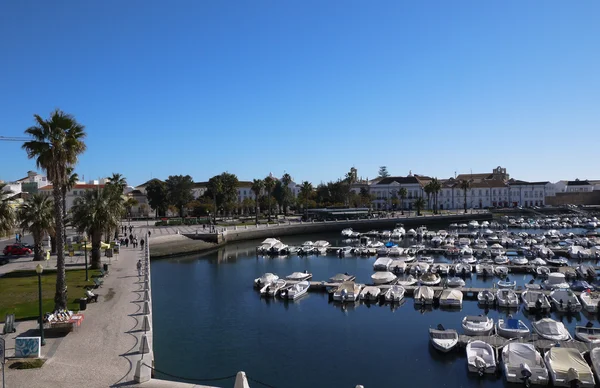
16	250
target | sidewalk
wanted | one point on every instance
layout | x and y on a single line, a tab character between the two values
103	350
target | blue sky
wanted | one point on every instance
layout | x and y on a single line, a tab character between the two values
309	87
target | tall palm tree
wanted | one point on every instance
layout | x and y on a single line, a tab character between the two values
269	185
403	194
7	213
435	189
119	181
129	204
465	185
93	214
36	216
56	145
257	188
215	185
72	179
419	205
428	190
305	191
286	179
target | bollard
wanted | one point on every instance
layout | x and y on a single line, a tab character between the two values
146	285
142	372
146	308
241	381
146	296
144	345
146	324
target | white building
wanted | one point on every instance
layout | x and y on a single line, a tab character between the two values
528	193
77	191
386	189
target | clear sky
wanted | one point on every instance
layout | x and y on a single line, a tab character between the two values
310	87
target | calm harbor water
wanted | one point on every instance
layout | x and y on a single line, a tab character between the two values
210	322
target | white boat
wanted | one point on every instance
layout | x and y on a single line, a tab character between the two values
477	325
519	260
442	339
394	294
395	251
419	268
590	300
595	359
423	295
398	233
486	298
565	300
481	357
507	298
430	279
501	260
383	277
463	268
542	271
512	328
341	278
299	276
468	260
382	264
442	269
307	248
344	251
370	293
272	289
587	334
409	281
296	291
535	301
411	233
451	298
586	271
473	224
465	252
523	364
506	284
455	281
568	368
279	248
425	259
347	232
321	246
267	244
557	260
398	266
484	270
550	329
555	280
266	279
501	270
538	261
347	292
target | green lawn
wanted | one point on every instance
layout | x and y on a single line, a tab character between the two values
19	293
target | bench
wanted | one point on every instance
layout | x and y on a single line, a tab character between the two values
97	282
9	324
103	273
91	299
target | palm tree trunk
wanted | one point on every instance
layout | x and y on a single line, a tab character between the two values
38	250
64	203
269	201
96	250
60	297
256	211
465	201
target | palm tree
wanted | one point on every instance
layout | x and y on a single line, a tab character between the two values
7	213
428	190
465	185
72	179
215	185
119	181
403	193
129	204
56	145
269	185
286	179
419	205
36	216
257	188
305	191
94	213
435	189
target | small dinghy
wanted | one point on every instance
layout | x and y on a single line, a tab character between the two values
486	298
394	294
295	291
299	276
557	260
512	328
523	364
535	301
383	277
568	368
409	281
501	271
481	358
507	284
587	334
347	292
443	339
565	301
423	295
477	325
430	279
370	293
590	300
451	298
264	280
455	281
550	329
542	271
507	298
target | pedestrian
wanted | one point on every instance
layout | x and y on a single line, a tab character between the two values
139	267
142	243
204	226
130	229
131	237
126	242
149	233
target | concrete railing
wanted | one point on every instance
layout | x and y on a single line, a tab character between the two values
143	371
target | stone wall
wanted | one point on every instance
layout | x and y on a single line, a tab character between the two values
582	198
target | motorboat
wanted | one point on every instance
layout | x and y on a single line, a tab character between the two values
468	260
537	261
442	269
455	281
568	368
451	298
595	359
344	251
307	248
501	260
341	278
430	279
443	339
507	298
473	224
533	286
370	293
481	358
463	269
587	334
394	294
497	250
398	266
423	295
321	246
550	329
512	328
267	244
590	301
398	233
411	233
542	271
264	280
395	251
586	271
555	280
347	292
565	301
522	363
425	259
299	276
279	248
581	285
419	268
383	277
501	270
484	270
273	288
486	298
519	260
506	283
569	272
477	325
382	264
535	301
347	232
409	281
557	260
295	291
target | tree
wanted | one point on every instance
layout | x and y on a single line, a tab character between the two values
286	179
428	190
36	215
403	194
465	185
119	182
257	187
156	192
7	214
94	213
383	172
72	179
179	191
129	204
419	205
223	190
366	198
56	145
435	189
269	185
305	191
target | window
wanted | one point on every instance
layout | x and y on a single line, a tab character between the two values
487	192
74	192
479	191
494	191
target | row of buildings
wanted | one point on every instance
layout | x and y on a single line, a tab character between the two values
494	189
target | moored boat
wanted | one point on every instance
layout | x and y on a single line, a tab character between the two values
507	298
568	368
512	328
451	298
383	277
347	292
266	279
295	291
430	279
394	294
486	298
299	276
477	325
480	358
590	300
550	329
587	334
370	293
443	339
522	363
565	300
535	301
423	295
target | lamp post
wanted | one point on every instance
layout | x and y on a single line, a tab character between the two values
87	279
39	269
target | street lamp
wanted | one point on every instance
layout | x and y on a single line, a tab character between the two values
87	279
39	269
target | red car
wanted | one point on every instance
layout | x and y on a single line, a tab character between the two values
16	250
